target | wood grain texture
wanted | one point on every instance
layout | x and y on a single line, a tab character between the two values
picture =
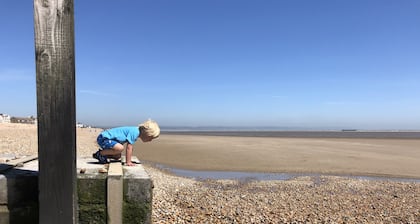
55	78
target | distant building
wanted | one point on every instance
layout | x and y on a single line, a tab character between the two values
4	118
23	120
80	125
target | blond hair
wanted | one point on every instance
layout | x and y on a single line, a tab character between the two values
151	128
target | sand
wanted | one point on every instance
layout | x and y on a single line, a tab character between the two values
305	199
351	156
363	157
21	140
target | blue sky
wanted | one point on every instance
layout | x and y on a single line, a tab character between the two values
305	63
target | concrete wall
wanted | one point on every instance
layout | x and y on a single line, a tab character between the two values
137	195
19	194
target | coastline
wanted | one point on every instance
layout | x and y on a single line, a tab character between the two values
330	156
302	199
302	134
271	176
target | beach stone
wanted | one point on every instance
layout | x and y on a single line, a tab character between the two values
102	170
323	199
300	200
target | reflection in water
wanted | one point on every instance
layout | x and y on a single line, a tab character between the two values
234	175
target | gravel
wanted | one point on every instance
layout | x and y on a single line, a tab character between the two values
315	199
323	199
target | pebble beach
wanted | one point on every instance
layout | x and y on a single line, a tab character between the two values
304	199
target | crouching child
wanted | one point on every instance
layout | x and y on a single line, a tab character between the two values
111	141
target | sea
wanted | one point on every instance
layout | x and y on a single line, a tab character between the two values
281	133
292	133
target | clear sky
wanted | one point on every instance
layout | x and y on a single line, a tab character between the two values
283	63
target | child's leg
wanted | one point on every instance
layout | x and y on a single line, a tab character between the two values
108	149
115	157
114	152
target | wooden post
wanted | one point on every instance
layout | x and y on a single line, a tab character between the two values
55	80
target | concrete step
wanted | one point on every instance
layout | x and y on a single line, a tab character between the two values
106	193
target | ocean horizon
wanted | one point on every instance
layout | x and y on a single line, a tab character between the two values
293	132
289	132
277	128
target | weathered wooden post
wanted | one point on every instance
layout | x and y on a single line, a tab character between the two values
55	78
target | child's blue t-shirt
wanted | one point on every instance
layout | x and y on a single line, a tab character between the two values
122	134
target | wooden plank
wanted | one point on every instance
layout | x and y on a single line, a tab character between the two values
115	193
55	79
25	159
13	163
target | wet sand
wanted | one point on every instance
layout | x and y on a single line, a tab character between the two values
304	199
340	156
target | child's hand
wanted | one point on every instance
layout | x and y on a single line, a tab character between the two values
129	164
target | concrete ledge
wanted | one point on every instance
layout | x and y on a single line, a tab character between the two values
136	190
19	193
138	194
4	214
91	191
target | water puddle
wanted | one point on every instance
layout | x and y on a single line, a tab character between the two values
234	175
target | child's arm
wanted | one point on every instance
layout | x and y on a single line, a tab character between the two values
128	154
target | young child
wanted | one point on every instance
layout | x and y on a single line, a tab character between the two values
112	141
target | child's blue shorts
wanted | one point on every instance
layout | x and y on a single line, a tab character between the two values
105	143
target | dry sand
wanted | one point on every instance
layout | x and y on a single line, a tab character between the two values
316	199
21	140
